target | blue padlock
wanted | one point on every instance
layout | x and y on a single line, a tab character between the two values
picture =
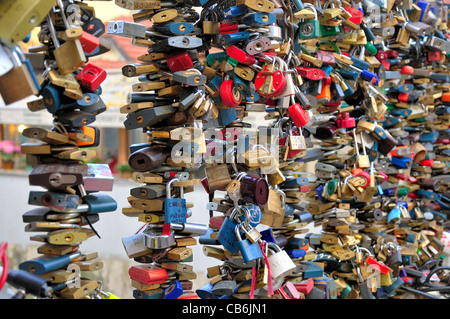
390	122
253	215
249	251
296	252
319	191
401	112
423	5
327	69
429	137
403	161
214	84
360	64
227	234
394	215
206	238
234	11
348	74
259	19
294	182
227	116
267	235
174	208
231	38
349	91
289	210
99	203
176	28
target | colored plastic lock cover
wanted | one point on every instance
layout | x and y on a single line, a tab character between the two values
173	291
299	115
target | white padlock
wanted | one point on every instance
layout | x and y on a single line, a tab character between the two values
281	265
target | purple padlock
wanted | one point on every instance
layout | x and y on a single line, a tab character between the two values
254	189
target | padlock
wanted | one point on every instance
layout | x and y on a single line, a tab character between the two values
254	189
299	116
91	76
309	29
174	208
270	82
281	264
227	233
19	74
69	56
229	94
249	251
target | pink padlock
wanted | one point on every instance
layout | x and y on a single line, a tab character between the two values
345	121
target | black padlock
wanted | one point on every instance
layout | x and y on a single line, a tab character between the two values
147	158
387	144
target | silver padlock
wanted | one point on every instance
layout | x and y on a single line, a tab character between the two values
281	264
126	29
274	32
155	239
134	245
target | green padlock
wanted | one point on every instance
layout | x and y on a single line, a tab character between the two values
309	29
328	31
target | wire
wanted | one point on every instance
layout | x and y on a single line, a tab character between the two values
5	263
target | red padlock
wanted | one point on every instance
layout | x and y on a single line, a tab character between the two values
406	69
345	121
434	55
91	77
231	27
240	55
356	15
386	64
381	55
299	115
229	94
311	73
179	61
403	97
148	274
428	162
392	53
366	176
278	84
89	42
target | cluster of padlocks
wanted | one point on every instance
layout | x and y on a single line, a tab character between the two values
355	94
347	86
69	88
160	104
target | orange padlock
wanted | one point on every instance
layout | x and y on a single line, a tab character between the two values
325	94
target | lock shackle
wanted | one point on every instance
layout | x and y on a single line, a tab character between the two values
63	14
361	49
169	188
358	249
52	31
237	232
390	247
279	125
313	8
273	247
334	45
232	151
332	2
283	196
